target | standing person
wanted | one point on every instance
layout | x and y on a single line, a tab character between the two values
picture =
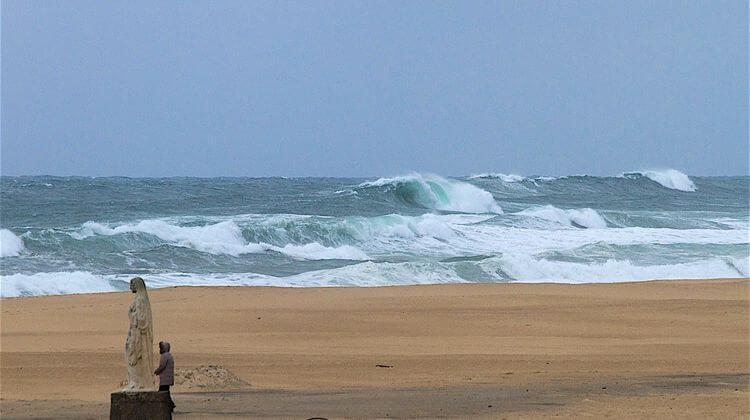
165	370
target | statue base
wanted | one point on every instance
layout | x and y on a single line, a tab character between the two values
140	405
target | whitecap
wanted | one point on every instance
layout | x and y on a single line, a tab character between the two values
528	269
502	177
316	251
584	217
57	283
10	244
224	237
668	178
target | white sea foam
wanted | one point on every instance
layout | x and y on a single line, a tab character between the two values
487	239
443	236
383	181
669	178
428	235
509	267
501	177
585	217
363	274
10	244
224	237
59	283
44	184
316	251
404	226
462	237
432	191
220	238
524	268
743	224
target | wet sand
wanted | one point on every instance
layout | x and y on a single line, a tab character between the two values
651	349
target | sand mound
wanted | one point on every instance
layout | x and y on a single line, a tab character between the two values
211	377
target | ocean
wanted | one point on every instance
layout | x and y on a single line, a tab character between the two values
64	235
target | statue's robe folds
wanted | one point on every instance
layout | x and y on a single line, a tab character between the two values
139	345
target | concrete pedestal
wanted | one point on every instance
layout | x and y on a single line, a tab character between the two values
139	405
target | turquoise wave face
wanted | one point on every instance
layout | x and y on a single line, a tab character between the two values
79	234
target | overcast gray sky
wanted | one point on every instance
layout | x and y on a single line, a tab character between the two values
346	88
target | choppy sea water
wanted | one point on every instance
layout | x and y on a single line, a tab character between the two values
80	234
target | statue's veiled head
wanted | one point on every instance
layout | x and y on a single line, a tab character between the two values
137	285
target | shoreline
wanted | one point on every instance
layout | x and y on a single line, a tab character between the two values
644	342
377	286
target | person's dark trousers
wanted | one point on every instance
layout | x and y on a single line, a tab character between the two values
166	388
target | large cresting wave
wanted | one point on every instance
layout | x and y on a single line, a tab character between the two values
436	192
669	178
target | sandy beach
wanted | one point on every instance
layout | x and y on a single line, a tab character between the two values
662	349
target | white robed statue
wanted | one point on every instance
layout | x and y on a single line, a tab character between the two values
139	345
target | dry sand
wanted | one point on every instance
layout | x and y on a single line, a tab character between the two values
672	349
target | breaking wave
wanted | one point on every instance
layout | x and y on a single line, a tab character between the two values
669	178
94	234
505	268
59	283
533	230
501	177
316	251
10	244
221	238
435	192
585	218
529	269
